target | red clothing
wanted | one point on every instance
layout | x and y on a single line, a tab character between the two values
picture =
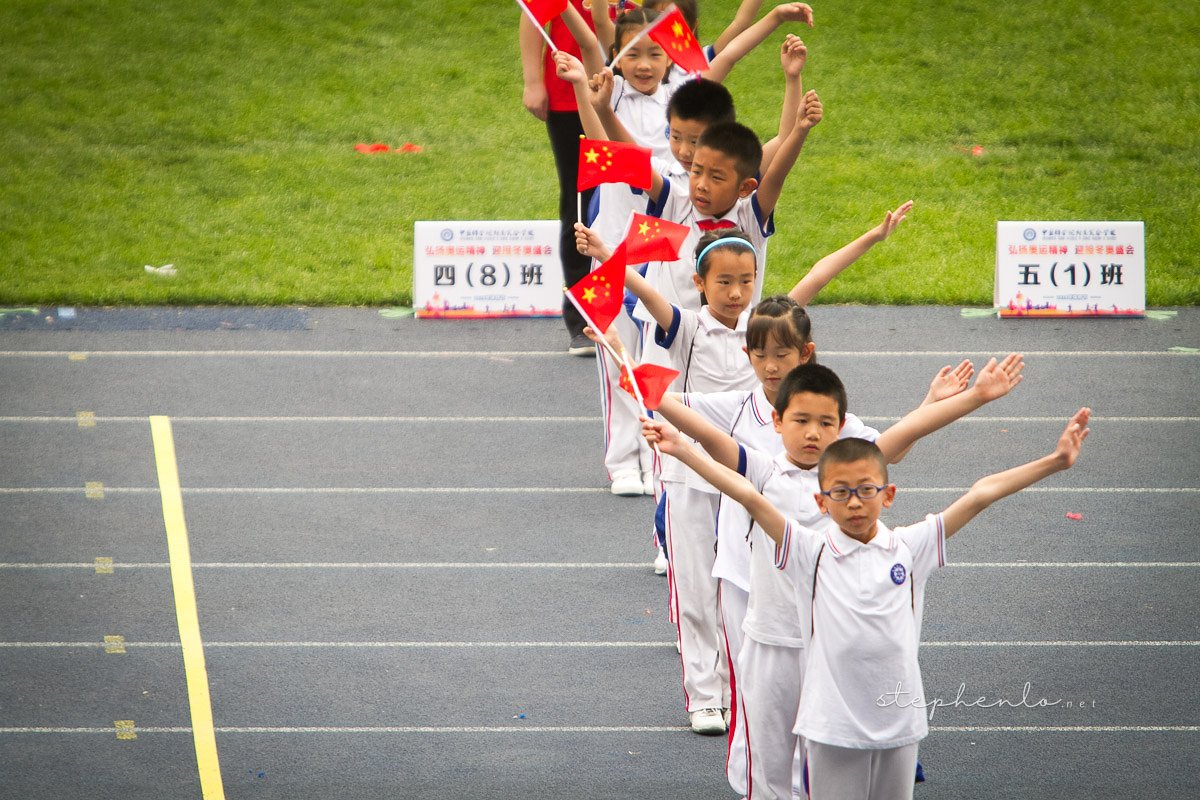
561	93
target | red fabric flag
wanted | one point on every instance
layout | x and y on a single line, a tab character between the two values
613	162
600	294
543	10
652	380
653	239
673	35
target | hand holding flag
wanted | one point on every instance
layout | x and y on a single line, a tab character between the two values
600	295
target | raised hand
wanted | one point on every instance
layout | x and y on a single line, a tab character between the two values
1071	441
793	55
811	111
950	381
998	379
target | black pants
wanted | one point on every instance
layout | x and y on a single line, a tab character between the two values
565	129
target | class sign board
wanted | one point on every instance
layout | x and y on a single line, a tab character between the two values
487	269
1070	269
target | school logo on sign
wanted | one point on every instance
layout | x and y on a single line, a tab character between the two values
898	574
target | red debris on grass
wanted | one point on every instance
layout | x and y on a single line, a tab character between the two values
1074	515
977	150
377	147
409	147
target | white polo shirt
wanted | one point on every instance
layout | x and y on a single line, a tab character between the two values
673	279
862	682
746	416
709	358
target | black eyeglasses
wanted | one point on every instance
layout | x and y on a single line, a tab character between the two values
840	494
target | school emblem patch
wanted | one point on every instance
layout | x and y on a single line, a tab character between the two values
898	574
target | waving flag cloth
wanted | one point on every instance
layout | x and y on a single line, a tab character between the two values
653	239
650	380
600	295
602	161
672	34
540	12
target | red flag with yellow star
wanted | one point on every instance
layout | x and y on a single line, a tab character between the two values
673	35
652	381
600	294
613	162
653	239
542	11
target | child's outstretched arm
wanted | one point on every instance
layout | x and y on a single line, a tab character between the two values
589	244
770	187
832	265
571	70
752	37
737	487
606	31
793	55
746	14
589	46
988	490
717	443
995	380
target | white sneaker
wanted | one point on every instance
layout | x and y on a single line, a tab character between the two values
726	715
707	722
660	563
627	483
648	483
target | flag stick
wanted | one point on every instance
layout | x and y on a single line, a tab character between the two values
537	26
620	358
642	34
579	207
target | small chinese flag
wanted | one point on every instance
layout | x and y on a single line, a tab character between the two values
653	239
676	39
600	294
613	162
652	380
543	10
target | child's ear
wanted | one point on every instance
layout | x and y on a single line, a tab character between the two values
698	282
820	498
807	352
748	186
889	495
776	421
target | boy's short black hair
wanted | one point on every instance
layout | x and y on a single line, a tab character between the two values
736	141
702	100
845	451
781	317
815	379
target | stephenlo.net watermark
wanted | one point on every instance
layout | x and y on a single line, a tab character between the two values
902	698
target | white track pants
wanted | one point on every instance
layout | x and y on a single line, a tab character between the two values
769	679
840	773
733	613
624	446
691	540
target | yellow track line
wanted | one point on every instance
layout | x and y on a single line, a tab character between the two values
185	610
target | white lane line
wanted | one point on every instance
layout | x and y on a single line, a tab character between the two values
520	729
369	490
549	645
427	354
401	420
541	565
572	565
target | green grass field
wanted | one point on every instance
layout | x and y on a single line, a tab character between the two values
219	137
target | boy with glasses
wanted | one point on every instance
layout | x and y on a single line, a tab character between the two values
862	707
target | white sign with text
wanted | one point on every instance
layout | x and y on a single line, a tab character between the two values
1070	269
486	269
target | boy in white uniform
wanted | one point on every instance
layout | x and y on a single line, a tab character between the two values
809	414
861	712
